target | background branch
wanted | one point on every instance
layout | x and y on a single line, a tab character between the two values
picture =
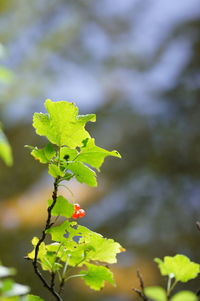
140	291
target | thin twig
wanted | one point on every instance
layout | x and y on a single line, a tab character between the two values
48	225
140	291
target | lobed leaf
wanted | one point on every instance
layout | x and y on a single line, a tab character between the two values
45	154
62	207
94	155
57	233
82	173
62	125
95	276
55	171
179	267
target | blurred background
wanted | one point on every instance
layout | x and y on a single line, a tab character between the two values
136	64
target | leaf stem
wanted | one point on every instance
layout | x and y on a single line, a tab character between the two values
170	287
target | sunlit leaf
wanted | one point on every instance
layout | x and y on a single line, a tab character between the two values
95	276
94	155
179	267
83	173
62	207
45	154
58	232
42	249
155	293
62	125
55	171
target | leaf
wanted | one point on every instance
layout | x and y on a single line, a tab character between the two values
96	276
58	232
104	250
184	296
155	293
83	173
32	298
83	245
68	154
42	249
62	125
94	155
55	171
5	149
45	154
98	248
62	207
179	267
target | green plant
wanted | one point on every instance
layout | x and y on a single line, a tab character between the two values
178	269
12	291
69	153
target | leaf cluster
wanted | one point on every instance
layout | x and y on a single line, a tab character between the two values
178	269
70	153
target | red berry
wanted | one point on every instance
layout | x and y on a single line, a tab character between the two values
75	215
81	213
77	207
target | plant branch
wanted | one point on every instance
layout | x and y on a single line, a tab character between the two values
140	291
48	225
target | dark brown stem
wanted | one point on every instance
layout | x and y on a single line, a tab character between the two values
48	225
140	291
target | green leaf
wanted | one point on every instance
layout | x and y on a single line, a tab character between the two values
96	276
5	149
104	250
155	293
97	247
55	171
83	173
83	244
58	232
62	125
62	207
179	267
184	296
45	154
32	298
68	154
42	249
94	155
